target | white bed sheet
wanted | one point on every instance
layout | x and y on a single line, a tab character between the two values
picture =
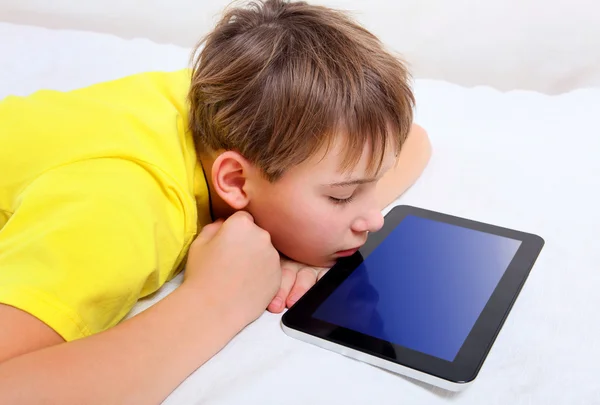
517	159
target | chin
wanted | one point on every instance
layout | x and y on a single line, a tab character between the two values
310	260
324	263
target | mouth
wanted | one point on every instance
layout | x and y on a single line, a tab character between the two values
346	253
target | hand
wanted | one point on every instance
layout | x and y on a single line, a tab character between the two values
296	279
235	268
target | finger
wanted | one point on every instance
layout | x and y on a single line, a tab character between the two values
322	272
306	278
210	230
241	215
292	265
288	276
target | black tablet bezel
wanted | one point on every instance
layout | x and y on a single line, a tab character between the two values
474	350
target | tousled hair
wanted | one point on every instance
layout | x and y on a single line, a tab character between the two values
277	81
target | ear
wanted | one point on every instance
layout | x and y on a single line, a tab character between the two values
230	173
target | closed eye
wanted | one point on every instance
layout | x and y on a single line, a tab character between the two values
341	201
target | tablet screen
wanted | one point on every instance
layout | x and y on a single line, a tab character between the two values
423	287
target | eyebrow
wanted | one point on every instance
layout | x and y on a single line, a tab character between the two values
353	182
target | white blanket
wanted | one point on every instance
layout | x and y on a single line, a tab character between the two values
518	159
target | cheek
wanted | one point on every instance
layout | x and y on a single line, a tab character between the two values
306	222
302	227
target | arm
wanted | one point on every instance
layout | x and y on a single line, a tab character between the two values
413	159
139	361
25	334
144	358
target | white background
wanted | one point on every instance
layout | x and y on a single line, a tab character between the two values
519	159
551	46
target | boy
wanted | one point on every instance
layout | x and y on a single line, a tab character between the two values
291	133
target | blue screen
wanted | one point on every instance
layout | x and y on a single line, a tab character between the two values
423	287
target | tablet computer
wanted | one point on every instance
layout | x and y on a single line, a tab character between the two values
425	296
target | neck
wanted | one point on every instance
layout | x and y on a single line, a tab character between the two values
218	207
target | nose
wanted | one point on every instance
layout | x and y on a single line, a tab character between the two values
371	222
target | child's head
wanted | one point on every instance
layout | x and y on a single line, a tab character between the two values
288	99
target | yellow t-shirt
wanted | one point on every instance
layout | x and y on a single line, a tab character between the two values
101	195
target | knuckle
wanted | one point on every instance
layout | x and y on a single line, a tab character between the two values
307	275
243	217
237	220
289	276
322	272
209	227
275	258
292	266
240	221
195	243
264	236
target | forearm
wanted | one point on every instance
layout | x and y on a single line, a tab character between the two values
140	361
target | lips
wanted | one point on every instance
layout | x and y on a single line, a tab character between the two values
346	253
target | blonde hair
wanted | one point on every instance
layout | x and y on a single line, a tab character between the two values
277	81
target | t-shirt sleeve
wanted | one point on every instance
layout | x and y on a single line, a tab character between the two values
85	241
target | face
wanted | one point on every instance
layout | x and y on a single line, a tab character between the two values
317	213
